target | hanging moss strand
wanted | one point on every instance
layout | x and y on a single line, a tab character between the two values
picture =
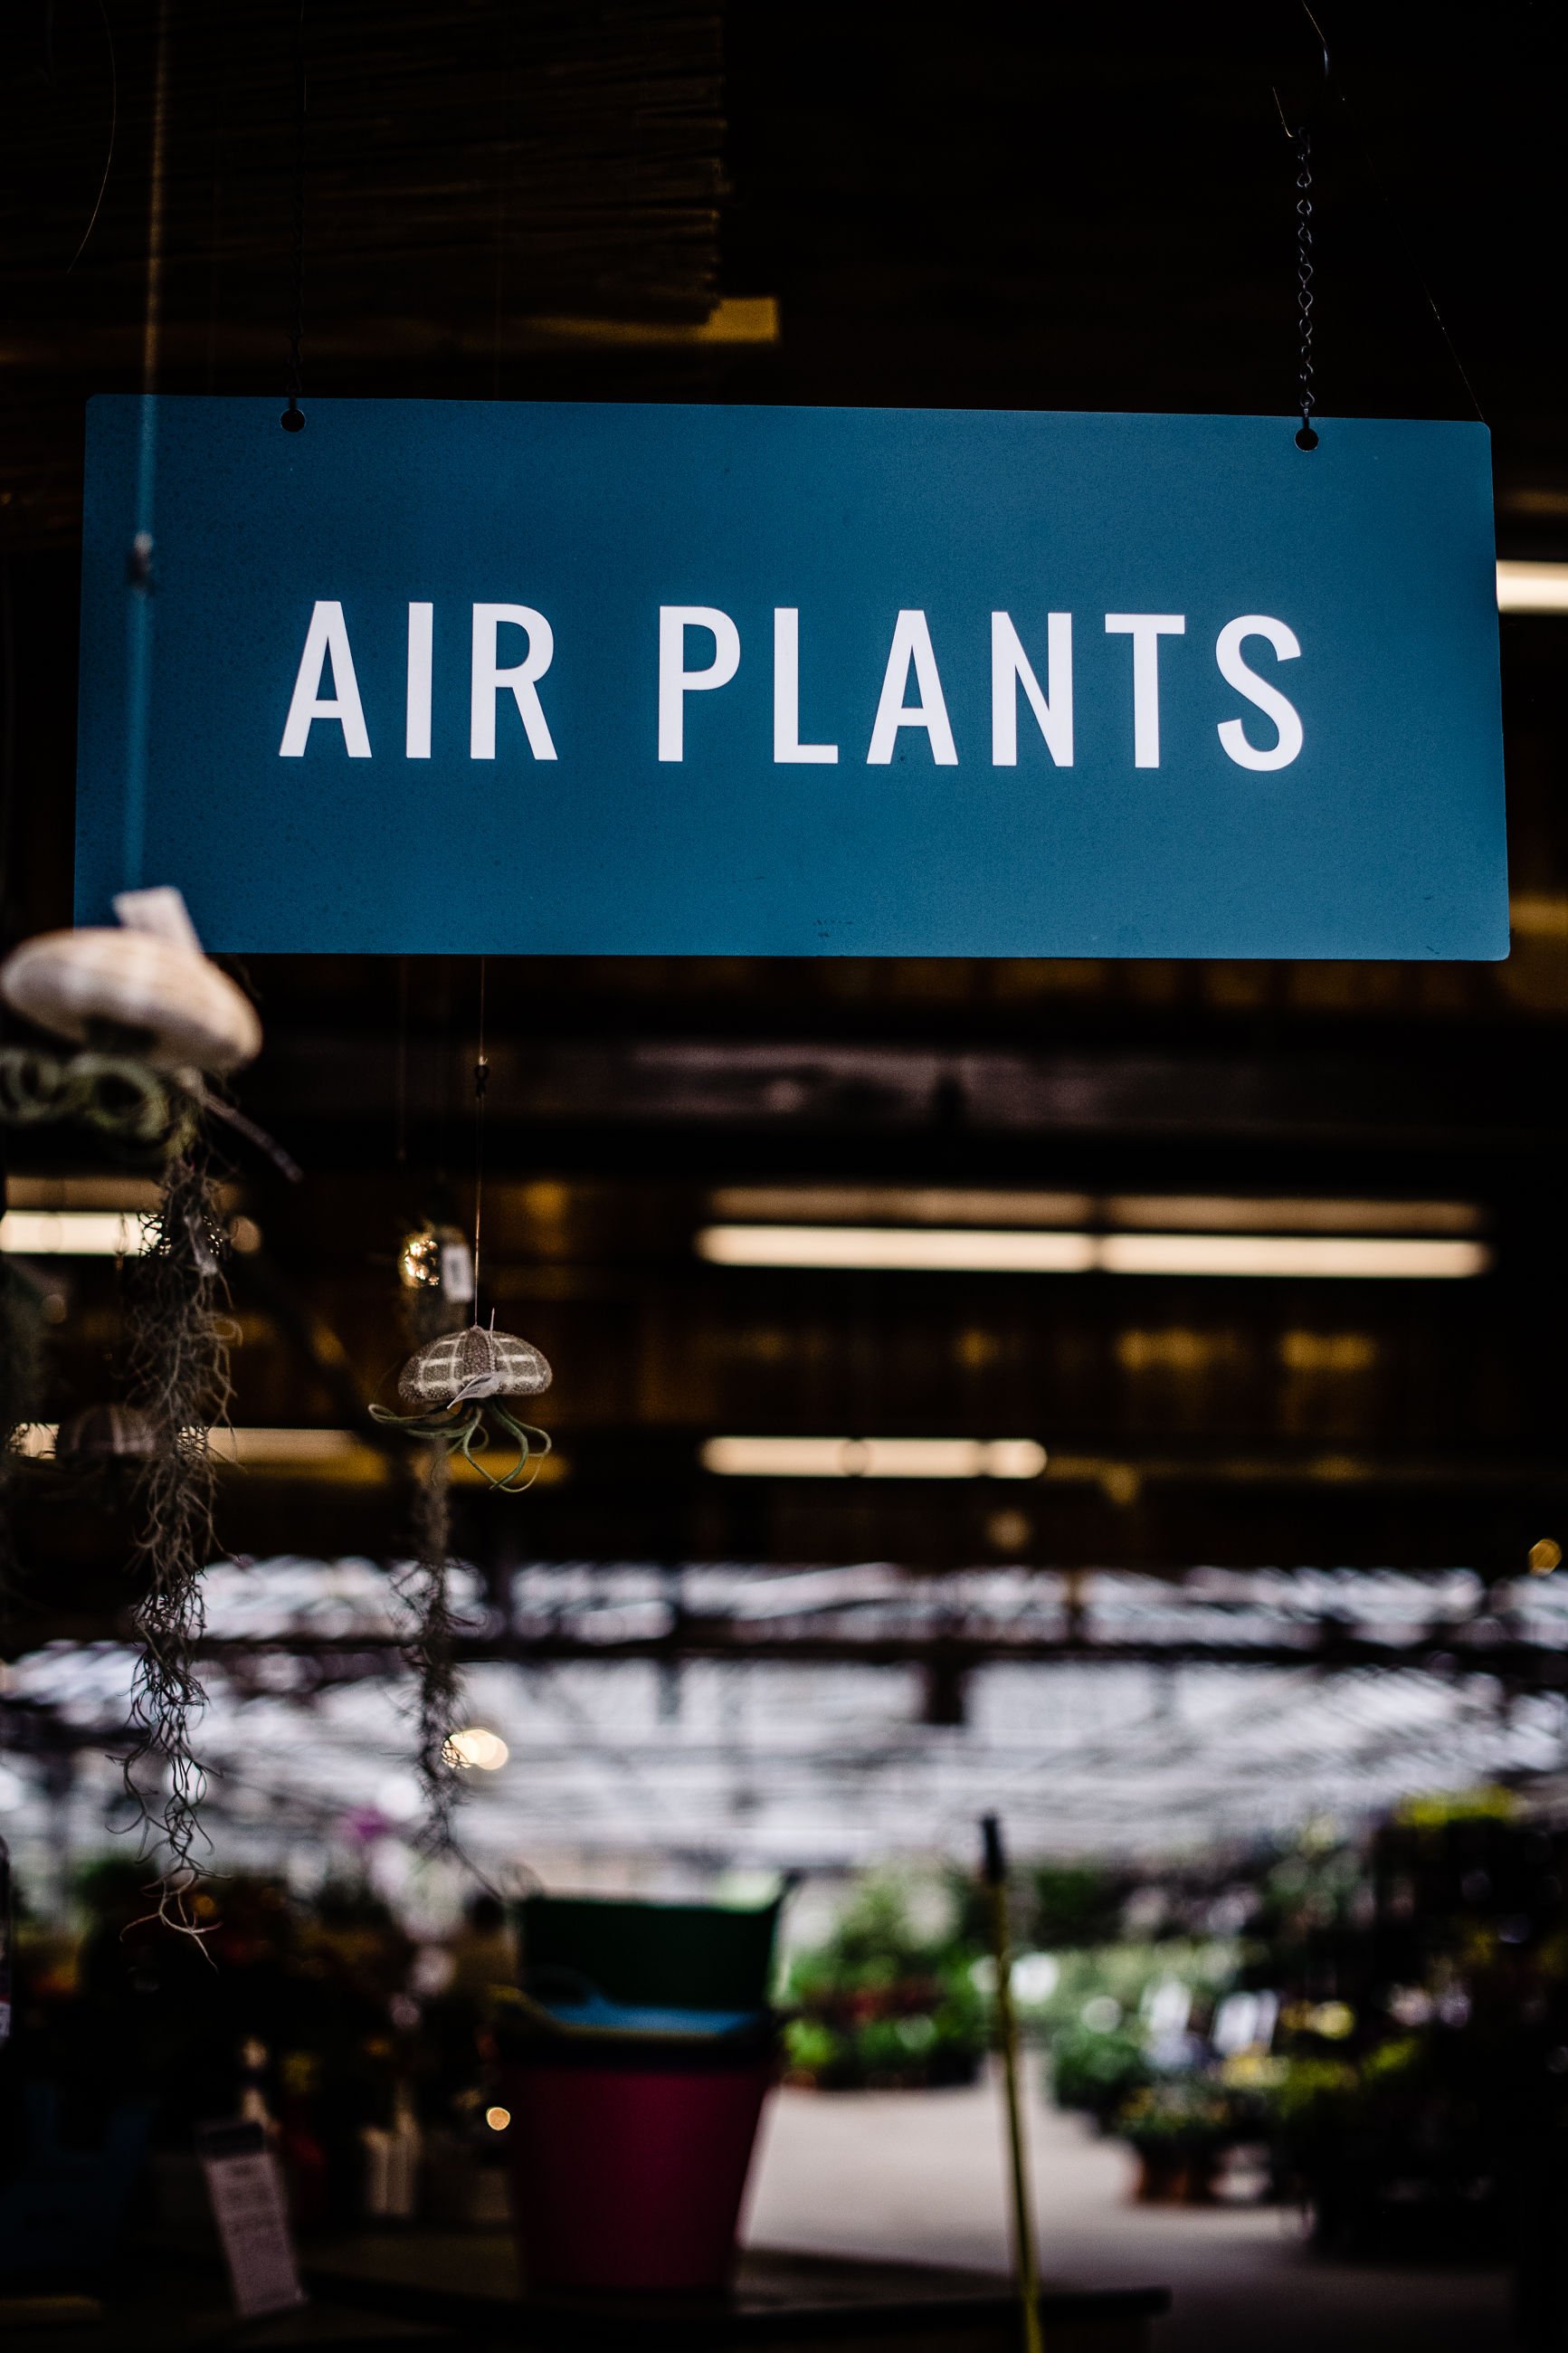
180	1381
425	1589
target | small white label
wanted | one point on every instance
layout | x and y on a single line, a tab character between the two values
162	911
457	1272
253	2223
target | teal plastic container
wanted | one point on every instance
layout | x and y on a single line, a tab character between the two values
683	1956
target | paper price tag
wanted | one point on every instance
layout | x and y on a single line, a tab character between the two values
457	1272
253	2223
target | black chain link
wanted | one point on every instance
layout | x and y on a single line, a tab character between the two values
1306	398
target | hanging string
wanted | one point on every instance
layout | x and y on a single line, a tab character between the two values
1401	228
482	1083
153	314
402	1088
293	418
138	567
113	136
1306	397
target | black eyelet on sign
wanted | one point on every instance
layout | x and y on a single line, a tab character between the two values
293	421
1305	440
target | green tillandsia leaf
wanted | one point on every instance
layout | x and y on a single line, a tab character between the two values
532	1444
453	1430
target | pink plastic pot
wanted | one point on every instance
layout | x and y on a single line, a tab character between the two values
629	2175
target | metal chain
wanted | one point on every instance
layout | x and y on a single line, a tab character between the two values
1306	398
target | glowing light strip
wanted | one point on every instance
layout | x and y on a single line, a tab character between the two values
72	1233
258	1444
1221	1213
1531	588
977	1250
873	1458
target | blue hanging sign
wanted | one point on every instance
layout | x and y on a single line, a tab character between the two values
601	679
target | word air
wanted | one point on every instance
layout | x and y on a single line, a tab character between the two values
699	653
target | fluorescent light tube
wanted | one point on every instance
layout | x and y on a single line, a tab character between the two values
941	1205
951	1249
873	1458
260	1445
72	1233
257	1444
1352	1257
903	1204
976	1250
1221	1213
1531	588
138	1195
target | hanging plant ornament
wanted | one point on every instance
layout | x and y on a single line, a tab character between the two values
161	998
153	1015
454	1384
153	1019
455	1387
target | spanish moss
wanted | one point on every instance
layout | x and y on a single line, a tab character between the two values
424	1589
180	1380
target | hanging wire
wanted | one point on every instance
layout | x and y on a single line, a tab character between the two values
139	568
293	418
114	135
401	1085
1401	233
152	317
482	1083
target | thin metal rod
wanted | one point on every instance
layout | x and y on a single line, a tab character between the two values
481	1080
297	319
139	570
152	315
1025	2260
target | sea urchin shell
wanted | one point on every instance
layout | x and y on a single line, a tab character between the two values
478	1363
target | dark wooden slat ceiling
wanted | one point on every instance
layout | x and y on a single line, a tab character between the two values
464	167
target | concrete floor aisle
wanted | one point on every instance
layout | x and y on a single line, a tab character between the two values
919	2176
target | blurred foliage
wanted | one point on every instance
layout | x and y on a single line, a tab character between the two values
1459	1806
1076	1904
888	1999
1094	2072
1125	1973
1182	2111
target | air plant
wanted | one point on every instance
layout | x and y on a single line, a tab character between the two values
455	1384
152	1020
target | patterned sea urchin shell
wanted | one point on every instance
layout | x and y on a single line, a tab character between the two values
477	1363
179	1008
